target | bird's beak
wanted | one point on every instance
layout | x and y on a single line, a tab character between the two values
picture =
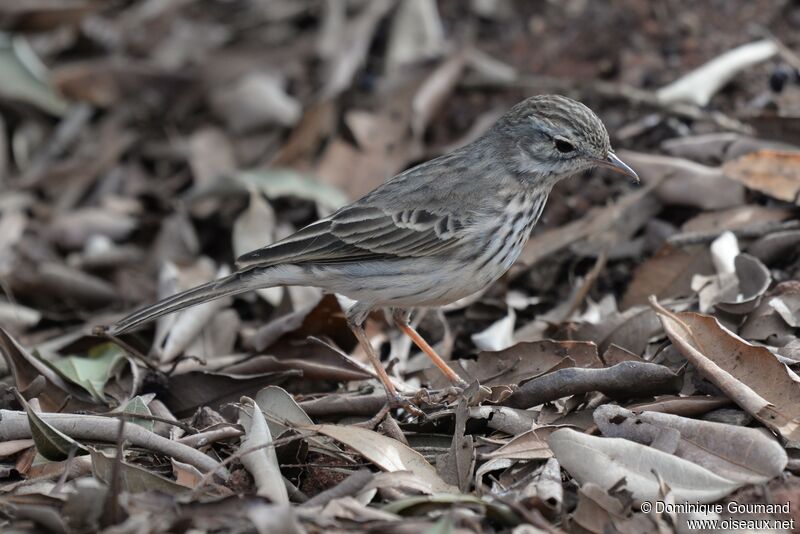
617	165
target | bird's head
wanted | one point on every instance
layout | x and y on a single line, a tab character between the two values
552	137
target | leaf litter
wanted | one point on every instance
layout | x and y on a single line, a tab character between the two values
644	347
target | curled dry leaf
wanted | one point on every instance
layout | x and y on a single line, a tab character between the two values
774	173
740	454
775	247
261	463
751	376
279	406
606	461
689	406
753	279
387	453
626	379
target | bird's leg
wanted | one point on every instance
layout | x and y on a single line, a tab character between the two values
356	323
401	319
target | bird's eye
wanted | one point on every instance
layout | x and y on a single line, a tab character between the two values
564	146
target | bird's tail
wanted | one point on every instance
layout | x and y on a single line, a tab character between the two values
233	284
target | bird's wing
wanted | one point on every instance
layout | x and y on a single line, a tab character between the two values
363	232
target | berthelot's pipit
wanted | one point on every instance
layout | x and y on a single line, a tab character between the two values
431	235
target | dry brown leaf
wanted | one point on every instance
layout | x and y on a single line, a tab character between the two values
598	512
387	453
262	462
774	173
668	274
605	461
531	445
734	452
525	361
626	379
689	406
751	376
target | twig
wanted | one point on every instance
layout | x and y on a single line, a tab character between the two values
146	417
345	405
588	282
14	425
113	506
73	449
201	439
626	379
747	232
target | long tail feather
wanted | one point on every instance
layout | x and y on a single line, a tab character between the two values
238	282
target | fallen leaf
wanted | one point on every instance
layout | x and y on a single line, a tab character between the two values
261	463
387	453
92	372
23	76
256	100
132	478
774	173
255	228
416	34
751	376
606	461
668	274
280	406
626	379
532	445
50	442
739	454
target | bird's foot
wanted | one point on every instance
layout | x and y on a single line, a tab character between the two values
442	398
410	405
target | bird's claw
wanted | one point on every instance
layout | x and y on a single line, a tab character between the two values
408	404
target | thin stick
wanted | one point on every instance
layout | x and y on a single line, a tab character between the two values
747	232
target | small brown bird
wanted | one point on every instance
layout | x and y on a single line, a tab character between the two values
431	235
